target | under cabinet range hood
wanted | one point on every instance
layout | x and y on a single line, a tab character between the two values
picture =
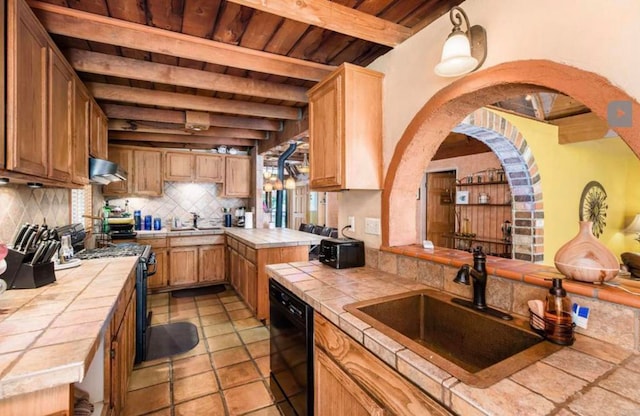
104	172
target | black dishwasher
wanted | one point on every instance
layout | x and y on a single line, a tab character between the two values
291	351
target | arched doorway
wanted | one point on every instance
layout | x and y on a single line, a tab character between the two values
453	103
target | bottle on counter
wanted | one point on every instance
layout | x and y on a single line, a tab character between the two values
137	218
148	222
558	323
106	212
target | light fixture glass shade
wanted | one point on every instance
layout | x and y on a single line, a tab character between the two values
277	185
268	187
266	173
634	227
456	56
304	168
290	183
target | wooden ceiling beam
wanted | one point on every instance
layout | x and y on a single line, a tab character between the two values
127	112
175	139
190	102
335	17
103	64
292	130
580	128
137	126
92	27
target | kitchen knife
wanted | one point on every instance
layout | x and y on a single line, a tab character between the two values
53	247
39	236
30	241
18	239
23	244
42	247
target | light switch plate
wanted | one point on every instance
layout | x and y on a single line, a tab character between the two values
372	226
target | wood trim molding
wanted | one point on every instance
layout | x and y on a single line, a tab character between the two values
176	139
447	107
334	17
117	66
82	25
222	132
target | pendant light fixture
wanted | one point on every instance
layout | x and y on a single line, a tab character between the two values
304	168
268	187
290	183
463	52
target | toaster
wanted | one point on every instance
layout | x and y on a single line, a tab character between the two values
341	253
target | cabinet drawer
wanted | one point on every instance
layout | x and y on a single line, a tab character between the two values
250	254
153	242
233	243
203	240
242	249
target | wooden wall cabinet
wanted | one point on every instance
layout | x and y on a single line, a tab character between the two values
349	380
124	157
209	168
193	167
60	113
345	130
99	130
80	152
237	181
147	173
178	166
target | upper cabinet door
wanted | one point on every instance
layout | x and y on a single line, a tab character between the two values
237	182
345	130
60	116
178	166
80	153
147	173
209	168
98	132
124	158
27	139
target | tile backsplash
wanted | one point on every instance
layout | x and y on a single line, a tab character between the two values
180	199
19	204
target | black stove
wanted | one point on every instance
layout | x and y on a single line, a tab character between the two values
146	258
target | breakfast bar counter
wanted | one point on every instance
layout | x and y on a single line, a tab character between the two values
591	377
258	238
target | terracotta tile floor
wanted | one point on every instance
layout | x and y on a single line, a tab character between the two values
227	373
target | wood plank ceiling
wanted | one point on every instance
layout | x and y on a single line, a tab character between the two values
240	67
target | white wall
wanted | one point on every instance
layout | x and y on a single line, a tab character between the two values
597	36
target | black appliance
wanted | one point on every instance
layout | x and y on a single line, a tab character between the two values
122	231
143	271
341	253
76	232
291	342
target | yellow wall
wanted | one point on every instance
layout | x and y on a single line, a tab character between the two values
566	169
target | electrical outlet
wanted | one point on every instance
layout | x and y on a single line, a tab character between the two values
351	220
372	226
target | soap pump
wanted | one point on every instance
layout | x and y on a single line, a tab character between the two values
557	315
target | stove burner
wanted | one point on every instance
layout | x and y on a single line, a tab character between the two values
121	250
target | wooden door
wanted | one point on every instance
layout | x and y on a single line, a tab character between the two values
326	132
27	46
183	265
60	117
299	204
237	180
336	392
80	154
211	263
147	172
178	167
124	158
209	168
441	187
159	280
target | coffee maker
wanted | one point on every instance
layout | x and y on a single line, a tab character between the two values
240	216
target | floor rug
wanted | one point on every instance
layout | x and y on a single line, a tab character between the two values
170	339
198	291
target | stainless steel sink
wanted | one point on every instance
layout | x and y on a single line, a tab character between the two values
207	228
182	229
476	348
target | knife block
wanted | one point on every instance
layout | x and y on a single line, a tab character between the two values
21	275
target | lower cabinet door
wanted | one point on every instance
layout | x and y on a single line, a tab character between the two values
337	394
251	275
183	263
159	279
211	265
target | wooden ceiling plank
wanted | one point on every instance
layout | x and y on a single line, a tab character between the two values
292	130
191	102
231	23
200	17
129	125
176	139
580	128
178	117
69	22
335	17
92	62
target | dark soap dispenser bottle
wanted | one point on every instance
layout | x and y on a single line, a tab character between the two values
557	315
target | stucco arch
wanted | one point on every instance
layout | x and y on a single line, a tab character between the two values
453	103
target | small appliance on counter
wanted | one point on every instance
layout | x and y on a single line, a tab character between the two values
342	253
240	216
121	228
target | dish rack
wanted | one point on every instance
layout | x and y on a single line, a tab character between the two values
559	333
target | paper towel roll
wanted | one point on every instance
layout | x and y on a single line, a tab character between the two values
248	220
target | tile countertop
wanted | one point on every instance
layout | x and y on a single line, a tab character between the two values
589	378
142	234
49	335
268	238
